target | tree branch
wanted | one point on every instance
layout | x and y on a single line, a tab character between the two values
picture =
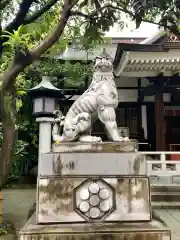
19	19
53	38
39	13
12	72
74	2
94	13
81	14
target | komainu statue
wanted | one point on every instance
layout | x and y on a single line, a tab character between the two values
98	101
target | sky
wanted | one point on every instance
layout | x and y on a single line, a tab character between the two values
145	30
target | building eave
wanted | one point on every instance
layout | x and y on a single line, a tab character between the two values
142	63
125	47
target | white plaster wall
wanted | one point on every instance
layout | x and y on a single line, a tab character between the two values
127	95
124	96
126	82
166	97
131	95
76	52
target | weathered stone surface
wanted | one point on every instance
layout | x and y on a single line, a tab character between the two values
100	164
102	231
96	147
62	200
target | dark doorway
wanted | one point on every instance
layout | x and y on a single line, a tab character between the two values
172	132
151	127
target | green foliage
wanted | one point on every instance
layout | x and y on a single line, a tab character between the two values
3	231
73	73
20	153
17	38
166	12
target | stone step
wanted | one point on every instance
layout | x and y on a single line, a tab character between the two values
166	188
165	205
165	196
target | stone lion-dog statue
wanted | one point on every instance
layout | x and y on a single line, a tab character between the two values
98	101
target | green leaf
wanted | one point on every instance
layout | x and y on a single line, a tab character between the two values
6	44
18	104
21	93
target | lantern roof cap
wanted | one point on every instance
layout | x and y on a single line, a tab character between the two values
45	88
45	84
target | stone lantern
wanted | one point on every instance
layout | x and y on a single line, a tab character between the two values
44	97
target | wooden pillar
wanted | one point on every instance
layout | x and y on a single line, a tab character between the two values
139	111
159	115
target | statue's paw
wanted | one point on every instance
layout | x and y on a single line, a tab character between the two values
96	139
126	139
58	139
121	139
90	139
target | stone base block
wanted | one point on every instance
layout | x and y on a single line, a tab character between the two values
93	199
92	164
102	231
131	146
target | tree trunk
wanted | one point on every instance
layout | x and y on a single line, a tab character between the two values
8	79
9	135
7	150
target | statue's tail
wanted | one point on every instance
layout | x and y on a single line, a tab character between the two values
58	125
58	117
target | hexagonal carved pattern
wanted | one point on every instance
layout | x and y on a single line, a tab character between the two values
94	200
63	200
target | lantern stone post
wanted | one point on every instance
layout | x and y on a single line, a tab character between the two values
44	97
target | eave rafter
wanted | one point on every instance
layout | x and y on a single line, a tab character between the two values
140	64
153	65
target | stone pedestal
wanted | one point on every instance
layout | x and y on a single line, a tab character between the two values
95	191
89	231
